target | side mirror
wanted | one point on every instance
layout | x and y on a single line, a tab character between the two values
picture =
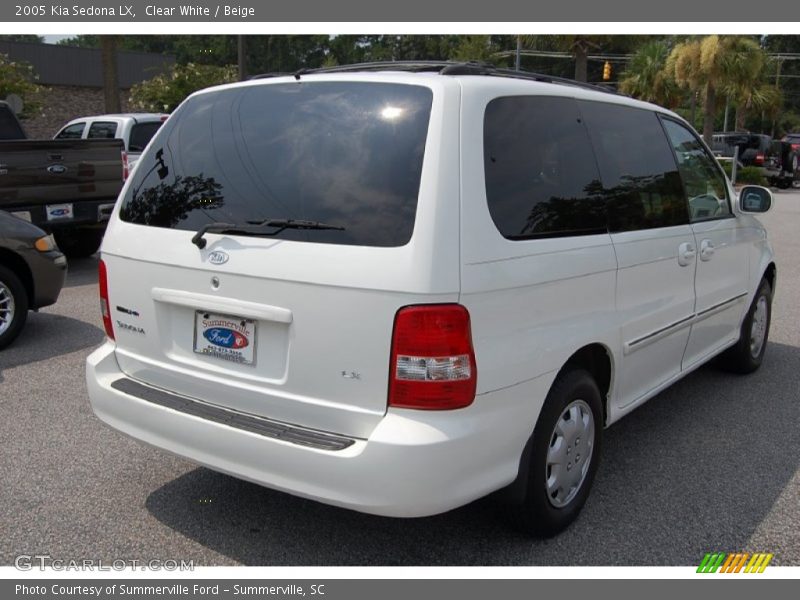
755	199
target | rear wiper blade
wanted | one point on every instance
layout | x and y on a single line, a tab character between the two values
257	228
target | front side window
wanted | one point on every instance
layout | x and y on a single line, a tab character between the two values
541	176
704	183
640	179
348	154
105	130
71	132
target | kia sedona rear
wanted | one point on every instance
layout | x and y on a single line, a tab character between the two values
280	284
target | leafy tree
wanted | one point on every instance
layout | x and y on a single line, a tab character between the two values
164	92
647	78
22	38
744	70
731	65
18	78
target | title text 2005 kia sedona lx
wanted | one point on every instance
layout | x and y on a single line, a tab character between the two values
398	288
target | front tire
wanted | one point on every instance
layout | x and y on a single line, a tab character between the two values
13	306
748	353
563	454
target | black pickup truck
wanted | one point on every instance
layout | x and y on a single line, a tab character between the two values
67	187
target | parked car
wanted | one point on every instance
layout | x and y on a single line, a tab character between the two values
32	272
781	167
793	139
66	187
753	147
407	285
134	129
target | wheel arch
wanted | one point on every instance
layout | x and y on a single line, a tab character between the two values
771	274
597	359
17	264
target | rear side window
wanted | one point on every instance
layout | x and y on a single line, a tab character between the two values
102	130
71	132
637	167
541	176
141	133
347	154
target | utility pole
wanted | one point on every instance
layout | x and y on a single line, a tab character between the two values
777	85
242	58
519	53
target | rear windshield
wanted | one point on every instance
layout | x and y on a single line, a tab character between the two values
347	154
141	133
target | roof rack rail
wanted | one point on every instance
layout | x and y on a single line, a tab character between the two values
443	67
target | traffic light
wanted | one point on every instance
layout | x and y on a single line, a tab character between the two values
607	71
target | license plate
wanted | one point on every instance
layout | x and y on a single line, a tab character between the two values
56	212
225	337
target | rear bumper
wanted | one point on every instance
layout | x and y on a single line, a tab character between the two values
85	212
415	463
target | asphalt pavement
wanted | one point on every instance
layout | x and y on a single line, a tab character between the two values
712	464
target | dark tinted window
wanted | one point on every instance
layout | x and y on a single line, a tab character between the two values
102	130
345	153
141	133
541	176
9	126
702	178
72	132
637	167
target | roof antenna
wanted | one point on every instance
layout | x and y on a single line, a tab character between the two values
299	72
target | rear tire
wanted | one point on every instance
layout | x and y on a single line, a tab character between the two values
564	453
748	353
79	243
13	306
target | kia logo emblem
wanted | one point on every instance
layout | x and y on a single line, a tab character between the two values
218	257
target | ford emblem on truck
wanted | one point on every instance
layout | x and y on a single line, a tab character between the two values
218	257
56	169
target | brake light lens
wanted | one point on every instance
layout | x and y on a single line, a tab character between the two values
105	306
759	159
125	168
432	361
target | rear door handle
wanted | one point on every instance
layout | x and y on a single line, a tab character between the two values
706	250
686	254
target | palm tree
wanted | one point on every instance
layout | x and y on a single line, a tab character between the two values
744	68
732	65
647	78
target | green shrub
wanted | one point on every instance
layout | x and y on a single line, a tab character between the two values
752	175
163	93
18	78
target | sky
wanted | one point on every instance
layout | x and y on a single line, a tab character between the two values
52	39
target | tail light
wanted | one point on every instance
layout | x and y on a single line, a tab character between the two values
105	306
759	159
125	168
433	361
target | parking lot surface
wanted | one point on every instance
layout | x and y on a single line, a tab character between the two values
711	464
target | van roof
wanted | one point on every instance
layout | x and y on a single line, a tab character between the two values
451	68
472	72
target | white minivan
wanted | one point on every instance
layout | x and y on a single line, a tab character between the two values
398	288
